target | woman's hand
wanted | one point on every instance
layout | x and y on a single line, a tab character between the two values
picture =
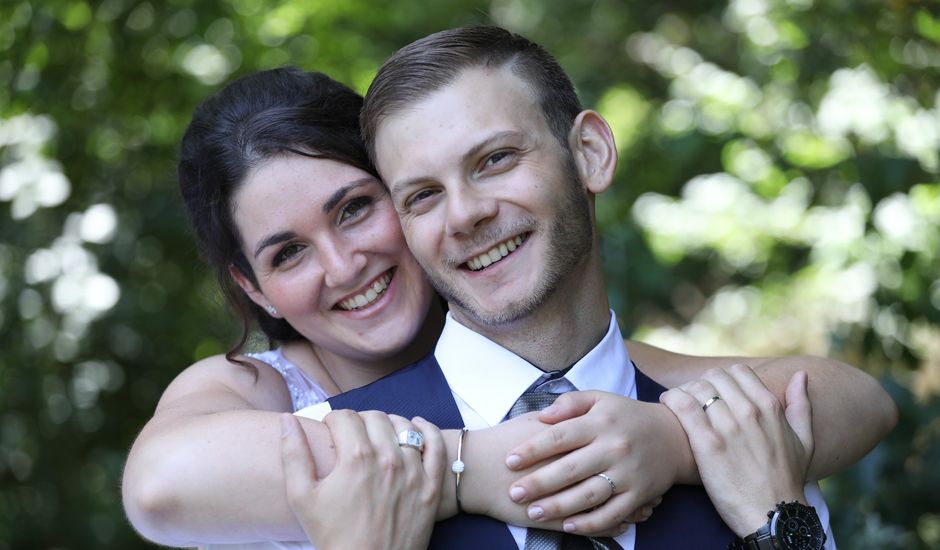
629	441
379	494
751	452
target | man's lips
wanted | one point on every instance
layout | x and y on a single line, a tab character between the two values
368	294
496	253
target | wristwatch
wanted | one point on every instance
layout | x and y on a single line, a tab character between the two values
791	526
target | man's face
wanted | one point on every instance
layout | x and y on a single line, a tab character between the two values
488	198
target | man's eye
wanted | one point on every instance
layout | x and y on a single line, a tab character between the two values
286	254
355	207
496	158
420	196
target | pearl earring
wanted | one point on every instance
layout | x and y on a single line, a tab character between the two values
272	311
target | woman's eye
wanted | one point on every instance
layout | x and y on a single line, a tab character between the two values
354	208
285	254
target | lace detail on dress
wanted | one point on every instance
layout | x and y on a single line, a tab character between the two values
304	391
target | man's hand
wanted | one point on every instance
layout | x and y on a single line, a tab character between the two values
751	452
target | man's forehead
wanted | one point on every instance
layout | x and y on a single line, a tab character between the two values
477	102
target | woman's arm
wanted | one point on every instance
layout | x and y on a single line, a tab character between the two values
207	467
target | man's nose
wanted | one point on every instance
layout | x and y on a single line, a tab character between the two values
468	208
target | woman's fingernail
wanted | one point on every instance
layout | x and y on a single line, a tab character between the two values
536	512
513	461
568	527
517	494
549	410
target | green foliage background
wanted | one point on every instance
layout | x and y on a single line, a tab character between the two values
779	193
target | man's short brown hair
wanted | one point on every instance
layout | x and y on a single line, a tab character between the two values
424	66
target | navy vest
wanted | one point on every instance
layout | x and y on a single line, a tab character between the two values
684	519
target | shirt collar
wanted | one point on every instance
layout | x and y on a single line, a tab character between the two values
489	378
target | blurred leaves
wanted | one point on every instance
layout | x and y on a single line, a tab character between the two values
779	192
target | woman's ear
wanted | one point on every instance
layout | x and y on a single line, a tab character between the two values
253	292
595	153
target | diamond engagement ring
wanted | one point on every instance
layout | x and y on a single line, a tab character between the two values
408	438
613	488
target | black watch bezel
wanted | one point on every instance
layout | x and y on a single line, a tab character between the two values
790	526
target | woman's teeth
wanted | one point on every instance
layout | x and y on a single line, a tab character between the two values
495	254
360	301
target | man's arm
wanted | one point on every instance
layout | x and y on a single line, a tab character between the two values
851	414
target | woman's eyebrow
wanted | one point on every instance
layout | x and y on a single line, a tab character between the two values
274	239
340	193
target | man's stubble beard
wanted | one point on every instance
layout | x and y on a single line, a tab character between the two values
570	236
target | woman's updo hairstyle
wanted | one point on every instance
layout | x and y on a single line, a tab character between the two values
257	117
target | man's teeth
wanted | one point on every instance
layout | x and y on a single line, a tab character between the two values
494	254
360	301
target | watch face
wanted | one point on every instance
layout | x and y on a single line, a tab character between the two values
797	527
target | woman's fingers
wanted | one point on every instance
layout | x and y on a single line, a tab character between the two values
299	468
590	493
569	405
555	476
560	438
434	455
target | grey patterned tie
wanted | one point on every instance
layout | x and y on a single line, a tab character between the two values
536	399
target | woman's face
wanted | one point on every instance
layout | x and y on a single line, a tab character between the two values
324	241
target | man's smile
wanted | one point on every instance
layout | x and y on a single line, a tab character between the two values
497	253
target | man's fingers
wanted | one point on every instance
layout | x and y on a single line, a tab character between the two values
799	410
694	420
300	470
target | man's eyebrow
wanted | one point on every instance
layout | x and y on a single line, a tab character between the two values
274	239
340	193
488	142
472	152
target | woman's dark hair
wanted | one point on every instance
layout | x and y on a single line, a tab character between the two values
257	117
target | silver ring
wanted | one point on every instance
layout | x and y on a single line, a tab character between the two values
709	402
408	438
613	487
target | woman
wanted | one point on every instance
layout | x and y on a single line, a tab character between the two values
290	213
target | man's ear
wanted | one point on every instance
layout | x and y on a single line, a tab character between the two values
595	153
253	292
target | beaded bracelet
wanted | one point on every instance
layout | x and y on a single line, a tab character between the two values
457	467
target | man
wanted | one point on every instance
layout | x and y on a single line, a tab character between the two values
493	167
